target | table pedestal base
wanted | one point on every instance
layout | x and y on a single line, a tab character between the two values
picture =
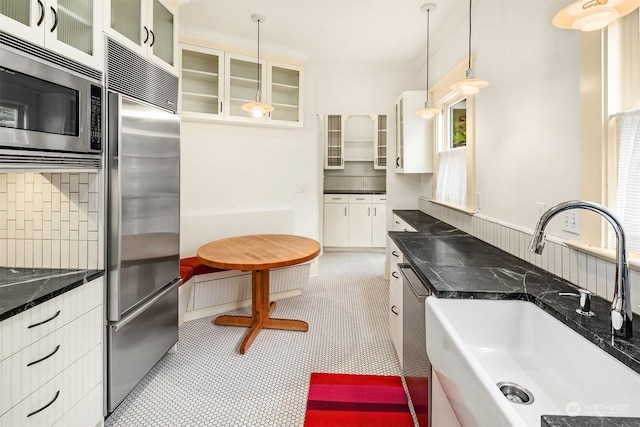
261	309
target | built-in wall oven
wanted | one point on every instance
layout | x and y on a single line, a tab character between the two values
47	113
415	362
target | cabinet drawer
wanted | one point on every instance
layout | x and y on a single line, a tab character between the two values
87	412
50	402
379	198
400	224
336	198
23	329
33	366
360	198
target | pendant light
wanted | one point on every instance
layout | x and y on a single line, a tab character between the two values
590	15
258	109
428	111
470	85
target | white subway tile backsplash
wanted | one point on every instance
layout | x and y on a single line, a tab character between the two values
50	220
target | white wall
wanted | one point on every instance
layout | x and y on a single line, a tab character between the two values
250	174
528	119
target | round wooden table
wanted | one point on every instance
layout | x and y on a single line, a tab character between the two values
259	253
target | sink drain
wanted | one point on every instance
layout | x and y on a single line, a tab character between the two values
515	393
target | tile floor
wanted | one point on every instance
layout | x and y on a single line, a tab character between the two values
208	383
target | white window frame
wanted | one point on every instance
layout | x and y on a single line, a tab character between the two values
445	98
608	86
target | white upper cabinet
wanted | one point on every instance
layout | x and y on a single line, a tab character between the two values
202	83
414	151
380	142
334	141
241	87
216	84
148	27
284	92
71	28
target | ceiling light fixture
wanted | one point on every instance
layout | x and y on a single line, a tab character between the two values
470	85
428	111
590	15
258	109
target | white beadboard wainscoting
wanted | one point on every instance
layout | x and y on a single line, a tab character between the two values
583	270
50	220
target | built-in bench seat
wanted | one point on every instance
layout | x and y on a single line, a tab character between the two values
206	291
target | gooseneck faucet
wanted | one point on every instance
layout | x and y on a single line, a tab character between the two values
621	314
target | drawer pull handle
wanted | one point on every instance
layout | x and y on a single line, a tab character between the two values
46	357
44	321
394	253
393	273
394	310
45	406
335	198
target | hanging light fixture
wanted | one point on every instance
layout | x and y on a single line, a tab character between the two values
590	15
428	111
258	108
470	84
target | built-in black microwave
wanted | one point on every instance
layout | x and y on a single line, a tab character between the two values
46	111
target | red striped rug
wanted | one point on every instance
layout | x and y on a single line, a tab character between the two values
356	400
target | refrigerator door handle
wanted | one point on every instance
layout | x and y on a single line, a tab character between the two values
131	316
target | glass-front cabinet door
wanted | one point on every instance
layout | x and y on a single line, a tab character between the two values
69	27
164	33
77	29
380	142
148	27
285	94
202	83
241	86
23	19
334	142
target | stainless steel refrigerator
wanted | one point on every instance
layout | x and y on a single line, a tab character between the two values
143	153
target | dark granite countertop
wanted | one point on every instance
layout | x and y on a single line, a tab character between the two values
454	264
23	288
353	192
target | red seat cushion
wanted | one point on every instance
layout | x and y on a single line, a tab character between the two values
186	273
197	266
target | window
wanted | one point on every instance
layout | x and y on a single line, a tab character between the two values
457	123
610	122
454	164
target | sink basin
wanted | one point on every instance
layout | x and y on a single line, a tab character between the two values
473	345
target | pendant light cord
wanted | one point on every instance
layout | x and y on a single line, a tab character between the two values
428	16
258	65
469	34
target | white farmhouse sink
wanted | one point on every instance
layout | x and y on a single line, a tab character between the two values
475	344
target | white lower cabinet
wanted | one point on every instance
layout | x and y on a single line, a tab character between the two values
336	220
355	220
395	299
360	212
51	367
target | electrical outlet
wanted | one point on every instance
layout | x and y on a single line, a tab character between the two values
542	208
571	222
299	188
477	201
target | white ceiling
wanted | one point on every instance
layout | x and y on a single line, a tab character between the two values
330	32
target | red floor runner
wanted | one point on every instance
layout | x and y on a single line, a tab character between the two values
356	400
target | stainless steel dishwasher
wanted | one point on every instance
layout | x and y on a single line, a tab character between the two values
416	365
